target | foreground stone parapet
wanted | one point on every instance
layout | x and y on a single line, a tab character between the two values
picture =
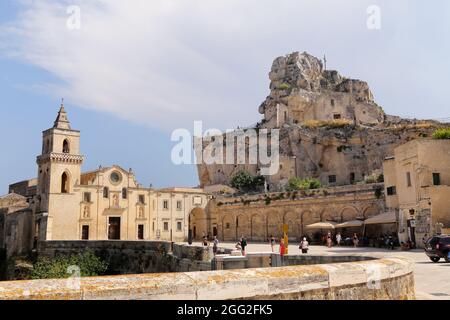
375	279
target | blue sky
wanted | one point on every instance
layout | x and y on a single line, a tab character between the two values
133	73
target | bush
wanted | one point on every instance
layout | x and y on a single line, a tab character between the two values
58	268
295	184
244	181
443	133
241	180
284	86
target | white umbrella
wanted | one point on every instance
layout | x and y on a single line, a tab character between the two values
350	224
322	225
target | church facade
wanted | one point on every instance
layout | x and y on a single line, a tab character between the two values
104	204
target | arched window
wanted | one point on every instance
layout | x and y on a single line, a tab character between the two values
105	192
66	147
65	183
124	193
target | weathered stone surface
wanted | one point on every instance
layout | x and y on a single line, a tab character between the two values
295	282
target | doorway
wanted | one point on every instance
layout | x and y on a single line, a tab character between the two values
114	228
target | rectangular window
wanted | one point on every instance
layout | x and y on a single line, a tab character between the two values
166	205
153	226
227	226
332	179
179	205
85	233
391	191
408	179
337	117
87	197
332	102
141	199
179	226
166	226
436	179
124	193
141	232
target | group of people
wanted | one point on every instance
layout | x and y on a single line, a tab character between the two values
388	241
328	239
304	245
283	247
207	244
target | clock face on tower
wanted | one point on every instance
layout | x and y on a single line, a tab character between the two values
116	177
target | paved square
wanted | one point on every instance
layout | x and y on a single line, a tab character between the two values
432	279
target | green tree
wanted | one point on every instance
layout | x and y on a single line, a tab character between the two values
295	184
58	268
244	181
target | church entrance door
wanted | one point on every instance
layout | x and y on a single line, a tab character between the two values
114	228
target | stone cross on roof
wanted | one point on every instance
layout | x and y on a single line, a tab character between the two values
62	122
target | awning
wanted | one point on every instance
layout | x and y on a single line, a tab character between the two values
384	218
322	225
350	224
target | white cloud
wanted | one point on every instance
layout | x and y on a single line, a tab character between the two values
166	63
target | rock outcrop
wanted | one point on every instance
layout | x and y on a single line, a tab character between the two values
330	127
301	90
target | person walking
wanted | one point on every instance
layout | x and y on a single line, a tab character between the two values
243	245
272	243
355	240
215	245
391	243
282	248
338	239
304	245
329	241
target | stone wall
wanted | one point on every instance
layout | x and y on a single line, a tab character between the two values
136	257
388	279
256	218
275	260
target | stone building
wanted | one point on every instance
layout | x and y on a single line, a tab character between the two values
257	218
417	182
301	90
16	221
104	204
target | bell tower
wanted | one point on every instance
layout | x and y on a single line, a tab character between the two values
59	173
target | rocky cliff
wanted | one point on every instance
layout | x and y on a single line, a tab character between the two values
330	127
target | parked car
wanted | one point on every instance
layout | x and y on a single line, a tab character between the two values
437	248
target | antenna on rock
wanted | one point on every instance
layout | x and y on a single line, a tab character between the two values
325	62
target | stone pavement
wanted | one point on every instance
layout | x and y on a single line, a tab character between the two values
432	279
